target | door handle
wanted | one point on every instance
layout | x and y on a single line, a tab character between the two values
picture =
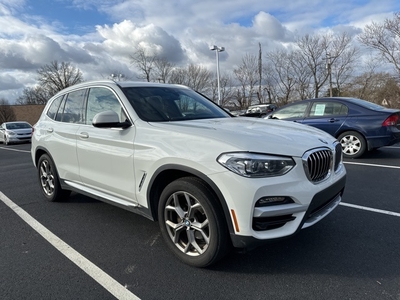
333	120
50	130
84	135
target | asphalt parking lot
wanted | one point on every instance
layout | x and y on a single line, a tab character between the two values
85	249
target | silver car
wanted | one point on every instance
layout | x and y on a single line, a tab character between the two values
15	132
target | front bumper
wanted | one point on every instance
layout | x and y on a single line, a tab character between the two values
19	138
320	206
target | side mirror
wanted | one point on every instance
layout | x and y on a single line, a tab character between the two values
109	119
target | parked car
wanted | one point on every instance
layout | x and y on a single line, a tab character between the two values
359	125
211	180
15	132
238	113
259	110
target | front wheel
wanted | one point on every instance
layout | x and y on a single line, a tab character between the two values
192	223
353	144
49	181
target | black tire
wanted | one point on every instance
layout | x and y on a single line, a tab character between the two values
353	144
188	210
49	181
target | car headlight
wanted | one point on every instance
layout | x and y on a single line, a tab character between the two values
256	165
11	133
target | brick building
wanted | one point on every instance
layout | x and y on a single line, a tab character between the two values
29	113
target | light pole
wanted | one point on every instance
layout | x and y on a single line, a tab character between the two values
218	50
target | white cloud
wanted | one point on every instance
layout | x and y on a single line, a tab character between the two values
181	30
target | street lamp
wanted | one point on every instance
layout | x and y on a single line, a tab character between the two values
117	77
218	50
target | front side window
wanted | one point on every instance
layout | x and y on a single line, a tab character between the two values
292	111
162	104
102	99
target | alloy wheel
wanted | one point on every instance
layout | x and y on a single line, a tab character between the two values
46	177
187	224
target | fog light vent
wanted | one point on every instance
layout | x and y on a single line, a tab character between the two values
273	200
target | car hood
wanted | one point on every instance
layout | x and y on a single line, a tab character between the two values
255	135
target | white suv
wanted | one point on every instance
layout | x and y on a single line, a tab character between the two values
213	181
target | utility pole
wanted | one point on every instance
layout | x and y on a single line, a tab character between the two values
329	68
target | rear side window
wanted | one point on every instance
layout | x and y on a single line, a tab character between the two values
73	110
327	109
54	107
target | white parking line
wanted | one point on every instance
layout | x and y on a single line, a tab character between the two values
372	165
13	149
110	284
386	212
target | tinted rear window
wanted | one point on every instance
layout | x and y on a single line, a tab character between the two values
366	104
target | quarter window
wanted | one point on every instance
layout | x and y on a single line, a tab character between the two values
54	107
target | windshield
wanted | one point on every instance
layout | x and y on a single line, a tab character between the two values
12	126
162	104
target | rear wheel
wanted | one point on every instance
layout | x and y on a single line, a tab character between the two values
49	181
353	144
192	223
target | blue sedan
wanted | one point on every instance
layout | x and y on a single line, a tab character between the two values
359	125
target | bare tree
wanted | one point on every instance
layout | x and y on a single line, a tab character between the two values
303	76
247	76
343	69
52	78
282	74
58	76
226	92
162	70
196	77
35	95
144	62
6	111
385	38
320	50
378	87
313	50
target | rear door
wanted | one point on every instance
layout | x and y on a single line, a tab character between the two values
58	132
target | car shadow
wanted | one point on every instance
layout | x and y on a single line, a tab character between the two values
381	153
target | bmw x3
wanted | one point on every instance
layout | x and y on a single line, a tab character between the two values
213	181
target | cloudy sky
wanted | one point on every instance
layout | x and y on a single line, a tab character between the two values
97	36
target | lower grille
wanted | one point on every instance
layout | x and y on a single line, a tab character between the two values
268	223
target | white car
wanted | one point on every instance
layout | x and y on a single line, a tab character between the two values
15	132
164	151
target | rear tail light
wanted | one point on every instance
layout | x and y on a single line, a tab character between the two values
391	120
